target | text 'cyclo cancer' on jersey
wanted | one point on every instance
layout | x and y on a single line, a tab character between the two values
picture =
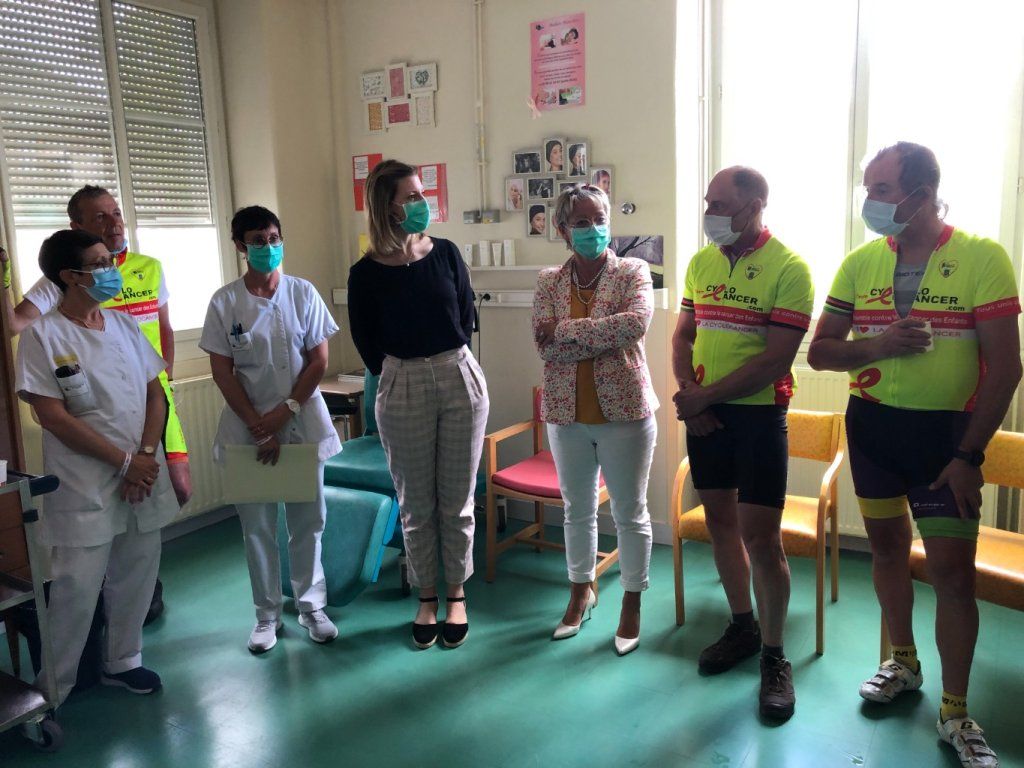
735	303
967	280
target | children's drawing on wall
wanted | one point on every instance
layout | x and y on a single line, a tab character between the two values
558	62
398	95
650	248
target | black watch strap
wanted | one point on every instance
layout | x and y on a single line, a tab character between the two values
974	458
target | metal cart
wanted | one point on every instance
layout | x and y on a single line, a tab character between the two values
21	580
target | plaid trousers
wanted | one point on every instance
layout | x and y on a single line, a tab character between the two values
432	414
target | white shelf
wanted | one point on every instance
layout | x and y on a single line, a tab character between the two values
516	268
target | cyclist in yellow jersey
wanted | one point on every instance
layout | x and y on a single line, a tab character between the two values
933	362
144	297
746	307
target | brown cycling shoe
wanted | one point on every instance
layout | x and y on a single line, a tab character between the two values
777	699
730	649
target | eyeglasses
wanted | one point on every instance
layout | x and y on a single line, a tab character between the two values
261	242
90	268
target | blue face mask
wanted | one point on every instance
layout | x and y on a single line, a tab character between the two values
106	285
417	217
590	242
265	258
719	229
881	217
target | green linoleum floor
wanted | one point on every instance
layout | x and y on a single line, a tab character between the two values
510	696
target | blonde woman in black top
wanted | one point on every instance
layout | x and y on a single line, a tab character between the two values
411	313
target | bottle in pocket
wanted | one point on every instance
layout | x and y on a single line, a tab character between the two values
74	385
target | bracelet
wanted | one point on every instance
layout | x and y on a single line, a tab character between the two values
127	463
265	440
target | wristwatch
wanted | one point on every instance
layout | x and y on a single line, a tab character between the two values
148	450
293	406
974	458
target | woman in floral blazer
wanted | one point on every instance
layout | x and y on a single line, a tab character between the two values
589	320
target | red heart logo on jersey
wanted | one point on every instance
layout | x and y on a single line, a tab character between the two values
865	328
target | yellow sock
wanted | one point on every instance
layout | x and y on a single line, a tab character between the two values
952	706
907	656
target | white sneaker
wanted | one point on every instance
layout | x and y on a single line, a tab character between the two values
264	635
321	629
892	679
968	740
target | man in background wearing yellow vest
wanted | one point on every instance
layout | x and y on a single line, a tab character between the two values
933	363
746	305
144	297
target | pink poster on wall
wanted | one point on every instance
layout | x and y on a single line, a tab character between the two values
557	62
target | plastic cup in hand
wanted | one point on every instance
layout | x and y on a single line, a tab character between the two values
931	337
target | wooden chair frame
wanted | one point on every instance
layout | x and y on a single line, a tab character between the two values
828	510
533	534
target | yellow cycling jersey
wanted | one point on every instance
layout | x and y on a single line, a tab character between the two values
734	304
967	280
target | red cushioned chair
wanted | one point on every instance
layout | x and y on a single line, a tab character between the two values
534	479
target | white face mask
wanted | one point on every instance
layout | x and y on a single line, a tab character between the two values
881	217
719	229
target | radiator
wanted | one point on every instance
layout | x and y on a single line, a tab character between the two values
199	405
828	391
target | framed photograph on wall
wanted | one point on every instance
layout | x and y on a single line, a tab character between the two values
526	161
373	85
374	120
421	77
515	193
540	188
399	112
564	185
553	235
553	152
577	151
602	176
537	220
397	85
423	109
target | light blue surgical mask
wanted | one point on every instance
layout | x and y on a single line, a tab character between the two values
417	217
107	283
881	217
590	242
265	258
719	229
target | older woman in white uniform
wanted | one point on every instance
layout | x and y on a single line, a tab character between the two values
92	379
267	334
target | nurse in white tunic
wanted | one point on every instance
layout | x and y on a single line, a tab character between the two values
267	335
92	379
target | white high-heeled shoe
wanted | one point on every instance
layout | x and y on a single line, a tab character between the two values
624	645
562	631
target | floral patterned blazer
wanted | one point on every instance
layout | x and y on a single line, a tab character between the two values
613	335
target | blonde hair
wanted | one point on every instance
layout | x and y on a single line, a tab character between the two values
386	236
568	199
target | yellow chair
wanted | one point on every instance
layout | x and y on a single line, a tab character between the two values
1000	558
533	479
812	435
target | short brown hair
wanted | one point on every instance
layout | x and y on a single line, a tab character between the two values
386	236
88	192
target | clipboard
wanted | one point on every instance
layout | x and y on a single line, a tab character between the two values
293	478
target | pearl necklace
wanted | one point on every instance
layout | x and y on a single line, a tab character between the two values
588	286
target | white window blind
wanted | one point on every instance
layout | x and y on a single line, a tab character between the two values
158	69
55	114
110	93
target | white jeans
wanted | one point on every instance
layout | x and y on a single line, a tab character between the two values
129	564
622	451
305	523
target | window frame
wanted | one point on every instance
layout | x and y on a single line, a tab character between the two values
186	339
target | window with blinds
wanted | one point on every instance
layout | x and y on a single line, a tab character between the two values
109	93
